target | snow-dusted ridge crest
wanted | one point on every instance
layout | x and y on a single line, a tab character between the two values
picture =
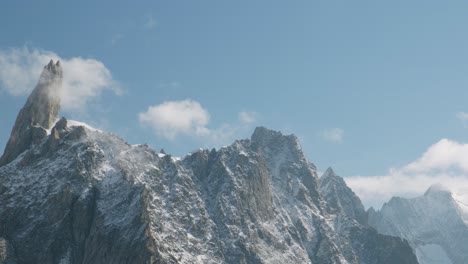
73	194
106	201
435	224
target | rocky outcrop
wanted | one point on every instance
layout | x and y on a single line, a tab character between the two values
38	114
340	197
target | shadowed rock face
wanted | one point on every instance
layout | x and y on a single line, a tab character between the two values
38	114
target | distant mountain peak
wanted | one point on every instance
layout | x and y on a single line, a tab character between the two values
263	137
437	188
262	133
340	197
38	114
434	224
329	173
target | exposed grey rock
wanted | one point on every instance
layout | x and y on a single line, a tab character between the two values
38	114
340	197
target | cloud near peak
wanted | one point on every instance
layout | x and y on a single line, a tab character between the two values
83	80
445	163
172	119
334	135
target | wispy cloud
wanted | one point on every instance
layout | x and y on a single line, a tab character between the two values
172	119
173	85
84	79
247	117
445	162
150	22
463	117
116	38
334	135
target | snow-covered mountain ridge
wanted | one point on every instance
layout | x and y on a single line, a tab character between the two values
435	224
80	195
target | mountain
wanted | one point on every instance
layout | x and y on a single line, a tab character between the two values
341	198
70	193
350	221
40	111
435	224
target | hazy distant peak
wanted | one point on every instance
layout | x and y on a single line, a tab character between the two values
329	173
436	188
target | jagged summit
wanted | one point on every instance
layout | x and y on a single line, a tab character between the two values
340	197
43	104
264	135
74	194
329	173
38	114
84	196
437	188
268	140
434	224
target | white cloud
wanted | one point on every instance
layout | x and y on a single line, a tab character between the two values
445	162
463	116
83	79
443	155
172	118
247	118
334	135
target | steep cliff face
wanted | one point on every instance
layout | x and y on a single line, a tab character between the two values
38	114
80	195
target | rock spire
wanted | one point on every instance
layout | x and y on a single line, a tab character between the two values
38	114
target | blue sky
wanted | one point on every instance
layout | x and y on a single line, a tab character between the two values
366	85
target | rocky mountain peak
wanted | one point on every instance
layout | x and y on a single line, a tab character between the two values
38	114
329	173
263	135
434	225
436	189
275	142
340	197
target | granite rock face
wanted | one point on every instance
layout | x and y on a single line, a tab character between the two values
81	195
38	114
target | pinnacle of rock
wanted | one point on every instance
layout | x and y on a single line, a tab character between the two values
38	114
